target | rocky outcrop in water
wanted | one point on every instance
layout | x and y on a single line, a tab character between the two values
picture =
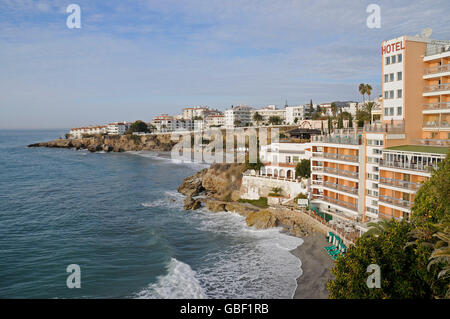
191	204
114	143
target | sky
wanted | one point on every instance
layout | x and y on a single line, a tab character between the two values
133	60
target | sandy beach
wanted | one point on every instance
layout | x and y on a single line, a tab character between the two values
316	265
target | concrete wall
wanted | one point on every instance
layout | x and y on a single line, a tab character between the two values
254	187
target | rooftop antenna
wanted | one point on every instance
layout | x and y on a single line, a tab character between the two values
426	33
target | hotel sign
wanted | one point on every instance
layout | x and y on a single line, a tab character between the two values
392	47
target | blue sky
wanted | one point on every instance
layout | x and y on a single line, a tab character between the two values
136	59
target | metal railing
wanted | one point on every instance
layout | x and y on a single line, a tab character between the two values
438	69
399	183
337	139
340	203
341	157
437	87
342	188
436	124
395	201
341	172
408	166
435	142
437	106
389	128
437	49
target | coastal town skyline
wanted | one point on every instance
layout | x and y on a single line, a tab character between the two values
158	58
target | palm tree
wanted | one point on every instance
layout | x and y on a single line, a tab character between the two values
334	109
363	90
369	107
441	252
368	90
378	228
277	190
257	118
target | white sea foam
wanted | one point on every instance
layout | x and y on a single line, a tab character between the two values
179	283
166	158
258	263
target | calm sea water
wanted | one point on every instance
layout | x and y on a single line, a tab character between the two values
120	218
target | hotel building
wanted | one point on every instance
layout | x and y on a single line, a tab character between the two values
375	173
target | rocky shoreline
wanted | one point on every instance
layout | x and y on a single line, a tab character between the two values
122	143
217	188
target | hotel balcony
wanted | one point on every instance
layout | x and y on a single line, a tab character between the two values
441	70
437	89
341	157
341	172
434	142
388	128
396	201
342	188
340	203
436	49
335	139
317	168
399	183
408	166
435	125
432	108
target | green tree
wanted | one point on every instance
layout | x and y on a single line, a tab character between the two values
303	169
257	118
138	126
369	106
368	90
311	109
275	120
362	90
296	120
334	109
402	269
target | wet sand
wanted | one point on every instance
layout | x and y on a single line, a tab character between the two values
316	265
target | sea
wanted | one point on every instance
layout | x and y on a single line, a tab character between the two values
119	218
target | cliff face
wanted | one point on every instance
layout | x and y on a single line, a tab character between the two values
116	143
219	187
220	181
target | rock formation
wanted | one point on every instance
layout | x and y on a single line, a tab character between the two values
114	143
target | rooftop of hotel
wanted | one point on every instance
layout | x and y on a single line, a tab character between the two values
420	149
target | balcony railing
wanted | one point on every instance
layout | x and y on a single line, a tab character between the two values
341	157
341	172
337	139
389	128
438	69
437	87
395	201
408	166
317	168
400	183
342	188
340	203
436	124
437	106
437	49
435	142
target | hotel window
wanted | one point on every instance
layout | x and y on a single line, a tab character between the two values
386	111
399	110
391	111
388	60
391	77
386	78
386	94
399	94
400	58
391	94
399	76
393	59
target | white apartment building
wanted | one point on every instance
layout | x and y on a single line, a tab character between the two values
295	112
279	170
89	130
117	128
240	115
215	120
268	111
